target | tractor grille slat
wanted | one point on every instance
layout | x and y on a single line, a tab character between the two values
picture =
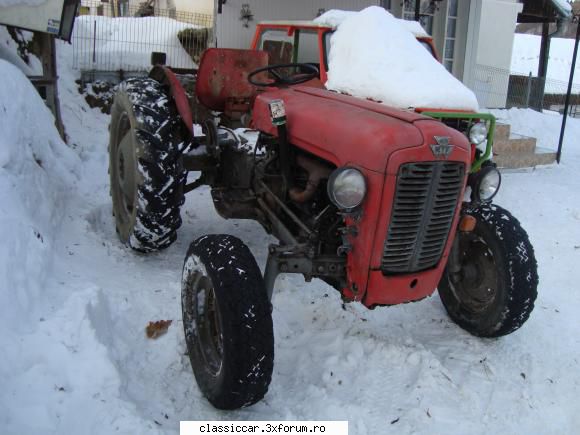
426	199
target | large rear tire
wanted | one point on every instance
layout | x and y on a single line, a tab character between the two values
145	167
493	292
227	322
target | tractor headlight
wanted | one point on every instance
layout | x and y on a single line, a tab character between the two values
347	188
478	133
485	184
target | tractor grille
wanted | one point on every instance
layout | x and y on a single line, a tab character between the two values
425	201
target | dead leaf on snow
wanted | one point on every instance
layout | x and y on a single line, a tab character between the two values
157	329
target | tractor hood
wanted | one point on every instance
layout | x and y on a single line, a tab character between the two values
346	130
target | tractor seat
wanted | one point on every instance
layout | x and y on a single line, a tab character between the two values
222	77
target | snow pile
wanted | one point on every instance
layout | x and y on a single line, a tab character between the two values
30	64
373	56
111	44
526	58
57	372
334	17
545	127
36	170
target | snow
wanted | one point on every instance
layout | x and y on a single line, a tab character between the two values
398	71
8	52
526	58
127	43
544	127
74	306
335	17
36	168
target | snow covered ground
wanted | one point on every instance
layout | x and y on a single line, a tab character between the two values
74	304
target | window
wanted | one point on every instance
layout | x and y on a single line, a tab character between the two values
123	6
279	46
450	34
427	12
300	47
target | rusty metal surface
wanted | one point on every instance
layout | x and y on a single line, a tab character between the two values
180	98
223	76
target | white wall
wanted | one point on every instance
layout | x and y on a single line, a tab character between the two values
489	47
195	6
232	34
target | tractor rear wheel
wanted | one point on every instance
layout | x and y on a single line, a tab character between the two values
492	293
145	166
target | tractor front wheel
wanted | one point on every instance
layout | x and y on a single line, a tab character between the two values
227	322
490	283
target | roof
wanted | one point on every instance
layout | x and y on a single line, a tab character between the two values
412	26
295	23
541	11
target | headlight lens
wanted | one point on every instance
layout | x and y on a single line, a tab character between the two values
487	184
478	133
347	188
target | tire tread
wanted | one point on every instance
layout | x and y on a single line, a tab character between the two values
521	281
249	349
159	150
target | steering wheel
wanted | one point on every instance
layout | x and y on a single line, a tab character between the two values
279	79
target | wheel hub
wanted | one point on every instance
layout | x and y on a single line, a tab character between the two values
125	170
476	283
208	325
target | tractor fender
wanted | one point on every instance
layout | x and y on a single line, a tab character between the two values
165	76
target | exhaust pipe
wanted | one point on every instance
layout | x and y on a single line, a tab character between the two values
316	173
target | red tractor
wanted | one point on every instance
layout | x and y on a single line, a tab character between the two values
371	199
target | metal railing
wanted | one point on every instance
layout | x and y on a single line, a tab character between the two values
500	88
104	41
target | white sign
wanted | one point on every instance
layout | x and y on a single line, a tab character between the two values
263	427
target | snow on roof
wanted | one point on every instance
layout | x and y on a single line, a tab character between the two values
414	27
373	56
334	17
297	23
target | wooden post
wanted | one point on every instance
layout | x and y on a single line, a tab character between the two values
47	83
